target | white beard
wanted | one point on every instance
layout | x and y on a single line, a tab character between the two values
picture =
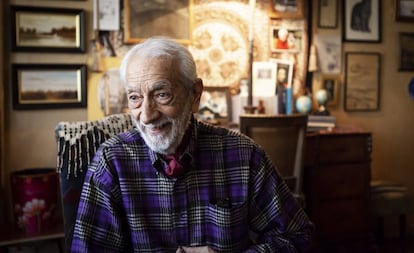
166	143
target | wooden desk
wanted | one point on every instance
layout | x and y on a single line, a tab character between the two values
11	235
336	184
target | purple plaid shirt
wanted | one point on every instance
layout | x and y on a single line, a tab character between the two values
230	198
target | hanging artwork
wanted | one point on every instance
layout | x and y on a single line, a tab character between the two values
362	81
147	18
329	51
362	21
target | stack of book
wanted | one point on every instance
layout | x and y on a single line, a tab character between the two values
321	123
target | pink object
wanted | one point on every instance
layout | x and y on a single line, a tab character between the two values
35	194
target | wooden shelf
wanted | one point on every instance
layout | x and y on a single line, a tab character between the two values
11	235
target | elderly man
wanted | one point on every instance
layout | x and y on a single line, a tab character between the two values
174	184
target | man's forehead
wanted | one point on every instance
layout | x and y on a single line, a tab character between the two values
149	68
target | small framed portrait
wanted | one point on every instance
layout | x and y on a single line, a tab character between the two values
406	51
404	10
283	39
331	84
284	72
49	86
362	81
215	106
284	79
362	21
287	9
42	29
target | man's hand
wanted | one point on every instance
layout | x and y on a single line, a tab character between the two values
203	249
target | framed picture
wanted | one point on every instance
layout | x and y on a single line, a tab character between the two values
42	29
286	9
283	39
106	15
406	51
215	106
404	10
147	18
331	84
284	72
48	86
328	14
329	51
264	78
284	80
362	21
362	81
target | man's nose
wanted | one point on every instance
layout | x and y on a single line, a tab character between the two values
149	111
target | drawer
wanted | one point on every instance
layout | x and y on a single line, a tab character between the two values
340	181
343	148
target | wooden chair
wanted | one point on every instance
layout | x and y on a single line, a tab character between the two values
283	138
77	143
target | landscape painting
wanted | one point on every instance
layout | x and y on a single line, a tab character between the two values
47	29
49	86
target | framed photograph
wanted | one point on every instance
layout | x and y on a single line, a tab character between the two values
328	14
264	78
406	51
147	18
42	29
362	21
404	10
284	72
283	39
331	84
106	15
286	9
215	106
48	86
362	81
284	80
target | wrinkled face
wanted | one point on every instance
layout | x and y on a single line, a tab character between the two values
161	107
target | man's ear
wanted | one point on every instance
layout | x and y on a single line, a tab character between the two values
197	90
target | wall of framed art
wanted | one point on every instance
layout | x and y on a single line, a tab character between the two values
392	92
30	122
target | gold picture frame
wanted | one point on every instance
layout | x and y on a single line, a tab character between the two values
49	86
43	29
287	9
147	18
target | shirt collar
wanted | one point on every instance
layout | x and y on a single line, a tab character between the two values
188	152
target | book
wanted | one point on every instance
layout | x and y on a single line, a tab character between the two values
320	122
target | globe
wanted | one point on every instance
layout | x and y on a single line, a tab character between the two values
321	96
303	104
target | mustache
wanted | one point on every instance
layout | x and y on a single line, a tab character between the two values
159	123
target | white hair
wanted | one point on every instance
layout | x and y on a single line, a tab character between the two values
156	47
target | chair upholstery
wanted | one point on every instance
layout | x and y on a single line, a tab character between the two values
77	143
283	138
